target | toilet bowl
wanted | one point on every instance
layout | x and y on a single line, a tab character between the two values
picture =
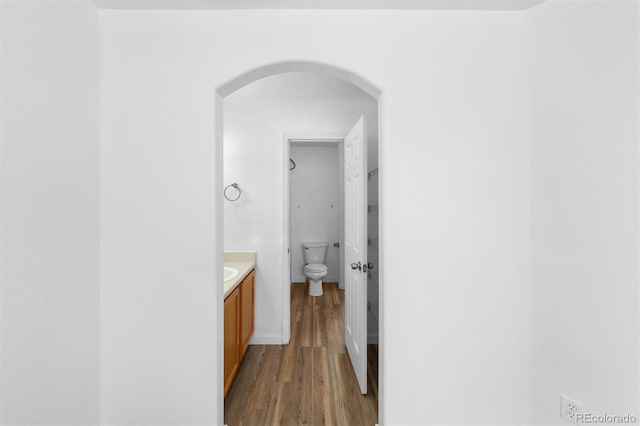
315	272
315	254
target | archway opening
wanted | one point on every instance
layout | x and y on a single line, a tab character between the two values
250	156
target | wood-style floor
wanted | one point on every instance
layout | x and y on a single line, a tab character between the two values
308	382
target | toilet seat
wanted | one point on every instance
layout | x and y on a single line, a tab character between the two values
315	267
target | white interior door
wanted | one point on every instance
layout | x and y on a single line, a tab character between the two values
355	217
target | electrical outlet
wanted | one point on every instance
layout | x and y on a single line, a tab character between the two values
570	409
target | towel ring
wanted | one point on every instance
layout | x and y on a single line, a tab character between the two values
236	186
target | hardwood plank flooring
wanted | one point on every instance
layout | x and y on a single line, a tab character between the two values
310	381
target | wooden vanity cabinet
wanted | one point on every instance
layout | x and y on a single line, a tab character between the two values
238	327
246	312
231	337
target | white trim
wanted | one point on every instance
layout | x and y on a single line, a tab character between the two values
506	5
286	238
218	176
381	257
312	140
341	218
265	340
314	137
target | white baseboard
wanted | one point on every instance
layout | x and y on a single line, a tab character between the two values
327	279
266	340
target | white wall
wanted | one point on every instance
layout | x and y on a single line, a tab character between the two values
585	194
49	360
454	174
157	242
255	122
315	205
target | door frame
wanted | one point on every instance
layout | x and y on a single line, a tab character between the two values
288	138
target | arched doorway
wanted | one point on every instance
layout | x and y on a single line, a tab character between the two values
261	73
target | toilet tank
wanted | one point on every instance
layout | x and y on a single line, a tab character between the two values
315	252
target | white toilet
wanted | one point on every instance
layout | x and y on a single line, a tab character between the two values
315	254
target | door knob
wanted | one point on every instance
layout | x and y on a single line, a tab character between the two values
356	266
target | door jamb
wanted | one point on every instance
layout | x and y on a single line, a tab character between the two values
286	223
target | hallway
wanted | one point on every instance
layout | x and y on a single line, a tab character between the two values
308	382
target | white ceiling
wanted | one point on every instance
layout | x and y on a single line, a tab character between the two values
303	86
321	4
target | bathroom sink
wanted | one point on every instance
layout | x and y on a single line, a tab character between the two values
230	273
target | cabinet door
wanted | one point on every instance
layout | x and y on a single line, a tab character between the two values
231	338
246	311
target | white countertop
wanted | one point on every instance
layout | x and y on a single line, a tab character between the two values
244	263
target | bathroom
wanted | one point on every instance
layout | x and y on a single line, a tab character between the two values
283	148
316	210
